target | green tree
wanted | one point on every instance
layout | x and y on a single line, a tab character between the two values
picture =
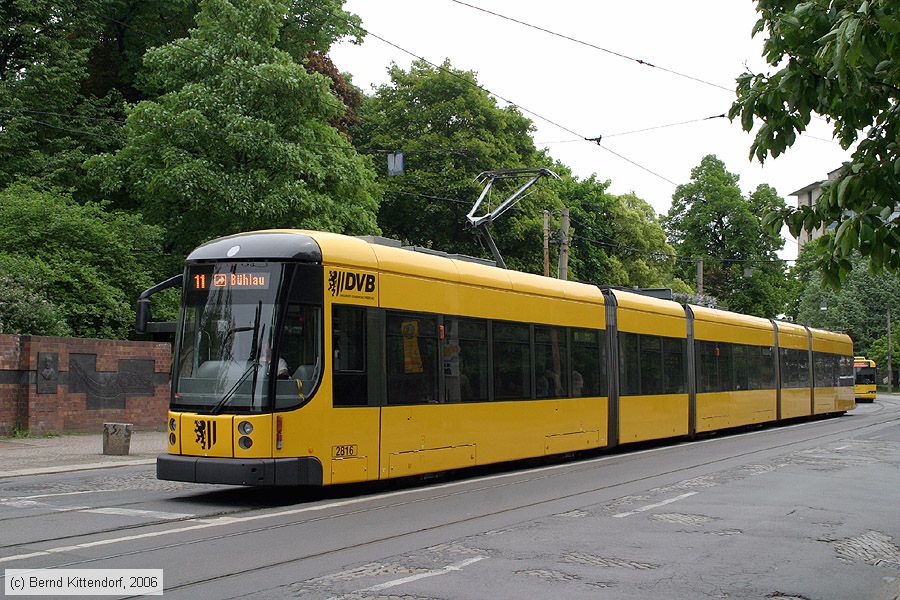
449	130
239	136
91	263
49	126
878	352
24	307
858	308
712	220
839	60
618	240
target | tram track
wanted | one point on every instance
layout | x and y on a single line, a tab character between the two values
540	473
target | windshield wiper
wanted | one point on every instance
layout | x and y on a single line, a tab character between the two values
230	393
253	368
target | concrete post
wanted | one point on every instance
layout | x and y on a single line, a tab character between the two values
117	438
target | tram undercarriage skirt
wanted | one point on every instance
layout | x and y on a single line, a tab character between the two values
305	470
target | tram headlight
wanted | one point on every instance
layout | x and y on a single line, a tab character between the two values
172	424
245	427
171	439
245	443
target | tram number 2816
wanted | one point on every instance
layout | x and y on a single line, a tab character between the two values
345	451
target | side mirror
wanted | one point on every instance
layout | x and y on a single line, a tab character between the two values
142	314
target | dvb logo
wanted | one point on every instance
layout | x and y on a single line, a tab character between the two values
341	282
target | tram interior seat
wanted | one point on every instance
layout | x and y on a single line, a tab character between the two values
307	375
214	369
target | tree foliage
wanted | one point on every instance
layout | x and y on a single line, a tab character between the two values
839	60
76	261
450	130
617	240
49	127
238	137
710	219
858	308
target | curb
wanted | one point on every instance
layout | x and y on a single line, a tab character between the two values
81	467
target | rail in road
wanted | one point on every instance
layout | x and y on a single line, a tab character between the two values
805	511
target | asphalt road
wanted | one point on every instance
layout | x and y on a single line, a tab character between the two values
807	510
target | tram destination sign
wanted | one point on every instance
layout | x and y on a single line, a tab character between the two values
246	281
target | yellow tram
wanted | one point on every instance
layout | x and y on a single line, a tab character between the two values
308	358
866	382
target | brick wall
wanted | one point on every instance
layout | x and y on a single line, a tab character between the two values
51	384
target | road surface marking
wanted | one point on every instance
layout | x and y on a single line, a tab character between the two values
652	506
55	495
389	584
134	512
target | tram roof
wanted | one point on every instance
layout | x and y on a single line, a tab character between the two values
703	313
648	303
829	341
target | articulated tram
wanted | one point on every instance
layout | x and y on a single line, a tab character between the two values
308	358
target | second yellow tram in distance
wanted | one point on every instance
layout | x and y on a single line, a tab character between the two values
309	358
866	378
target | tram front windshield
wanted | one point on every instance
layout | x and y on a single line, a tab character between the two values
225	356
866	375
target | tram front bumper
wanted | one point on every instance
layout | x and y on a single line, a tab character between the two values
305	470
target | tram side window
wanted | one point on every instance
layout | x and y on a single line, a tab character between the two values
788	368
823	365
707	367
754	368
794	368
803	375
588	363
845	371
766	368
512	361
741	356
464	359
629	369
348	344
674	367
551	370
412	364
726	364
651	364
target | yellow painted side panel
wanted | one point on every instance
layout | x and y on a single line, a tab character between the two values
206	435
652	417
501	431
638	321
317	428
794	403
723	410
793	336
825	400
428	295
349	470
846	399
402	464
735	334
571	442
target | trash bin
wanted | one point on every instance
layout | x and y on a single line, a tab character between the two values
117	438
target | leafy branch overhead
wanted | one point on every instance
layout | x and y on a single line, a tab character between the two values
841	61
